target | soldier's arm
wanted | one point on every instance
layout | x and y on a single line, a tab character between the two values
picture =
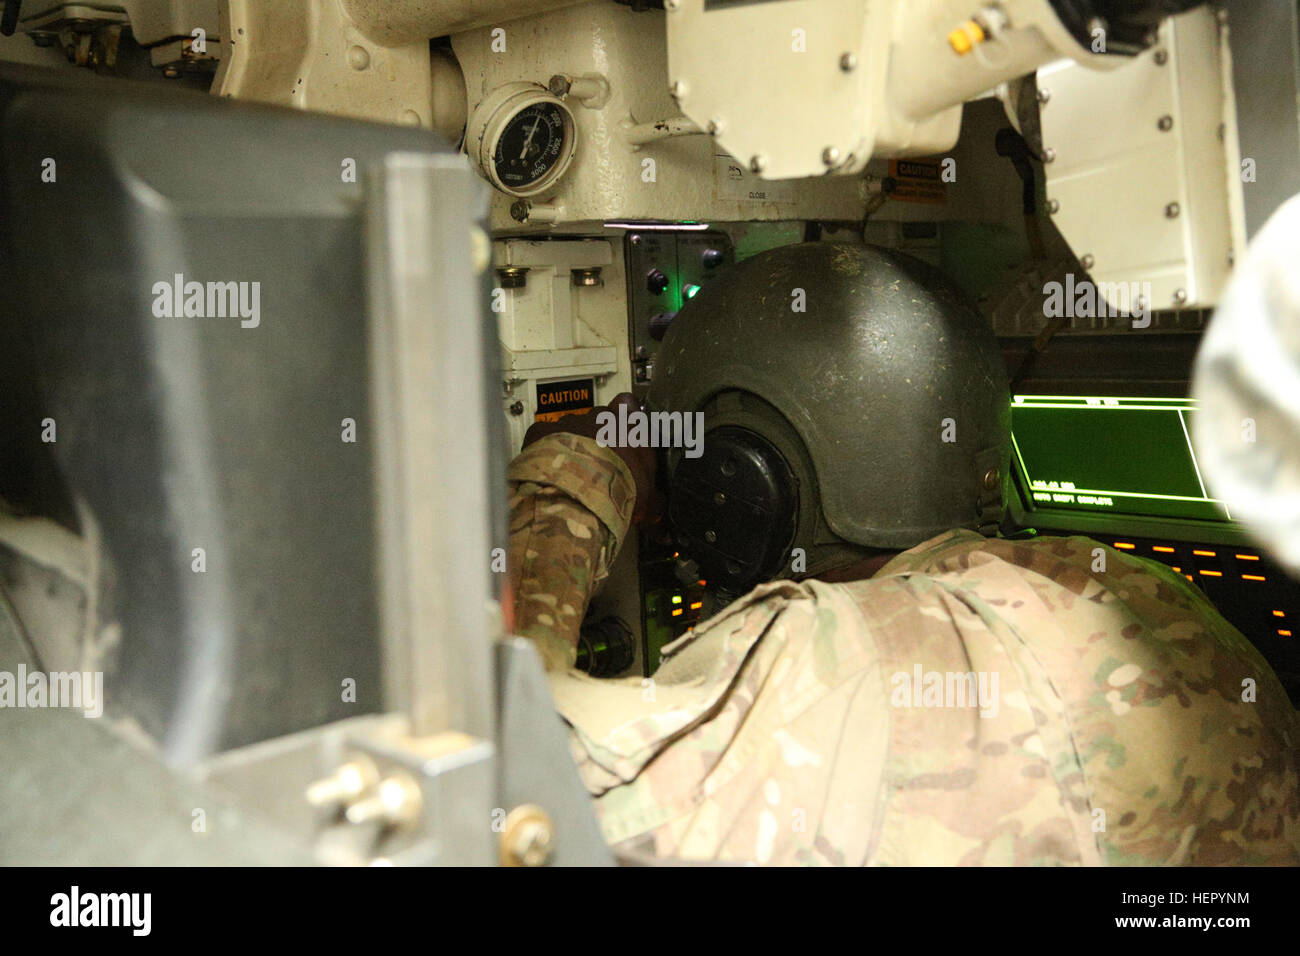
571	503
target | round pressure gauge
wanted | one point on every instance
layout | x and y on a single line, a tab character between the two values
523	138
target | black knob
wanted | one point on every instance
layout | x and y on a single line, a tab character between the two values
713	258
656	282
659	323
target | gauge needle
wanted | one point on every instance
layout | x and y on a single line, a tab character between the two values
528	140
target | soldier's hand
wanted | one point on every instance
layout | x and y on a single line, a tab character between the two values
640	461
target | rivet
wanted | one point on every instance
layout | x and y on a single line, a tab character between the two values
358	57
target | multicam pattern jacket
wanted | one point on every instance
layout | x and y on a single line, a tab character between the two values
977	701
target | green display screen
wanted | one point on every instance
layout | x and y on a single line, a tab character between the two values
1098	455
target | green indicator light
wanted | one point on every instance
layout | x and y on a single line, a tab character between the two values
677	599
690	289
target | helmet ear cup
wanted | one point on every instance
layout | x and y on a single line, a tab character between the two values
734	508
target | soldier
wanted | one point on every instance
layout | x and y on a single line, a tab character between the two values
901	686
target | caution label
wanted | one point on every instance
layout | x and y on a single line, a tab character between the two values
917	180
557	399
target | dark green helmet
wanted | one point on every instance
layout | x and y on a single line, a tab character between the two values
852	398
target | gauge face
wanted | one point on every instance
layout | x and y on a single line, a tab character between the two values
531	145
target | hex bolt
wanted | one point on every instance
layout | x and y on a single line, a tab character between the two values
517	408
513	277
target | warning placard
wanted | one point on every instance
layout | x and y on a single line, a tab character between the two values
917	180
556	399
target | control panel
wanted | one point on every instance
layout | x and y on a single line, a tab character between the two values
665	269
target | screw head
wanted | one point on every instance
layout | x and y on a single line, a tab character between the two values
848	62
1180	296
830	156
1087	261
757	163
1172	210
527	839
677	88
517	408
1053	206
991	479
1165	124
1049	154
714	127
1161	57
710	536
1044	94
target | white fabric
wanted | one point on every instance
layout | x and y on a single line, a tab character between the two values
1247	386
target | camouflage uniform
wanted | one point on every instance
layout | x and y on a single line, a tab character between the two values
832	724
